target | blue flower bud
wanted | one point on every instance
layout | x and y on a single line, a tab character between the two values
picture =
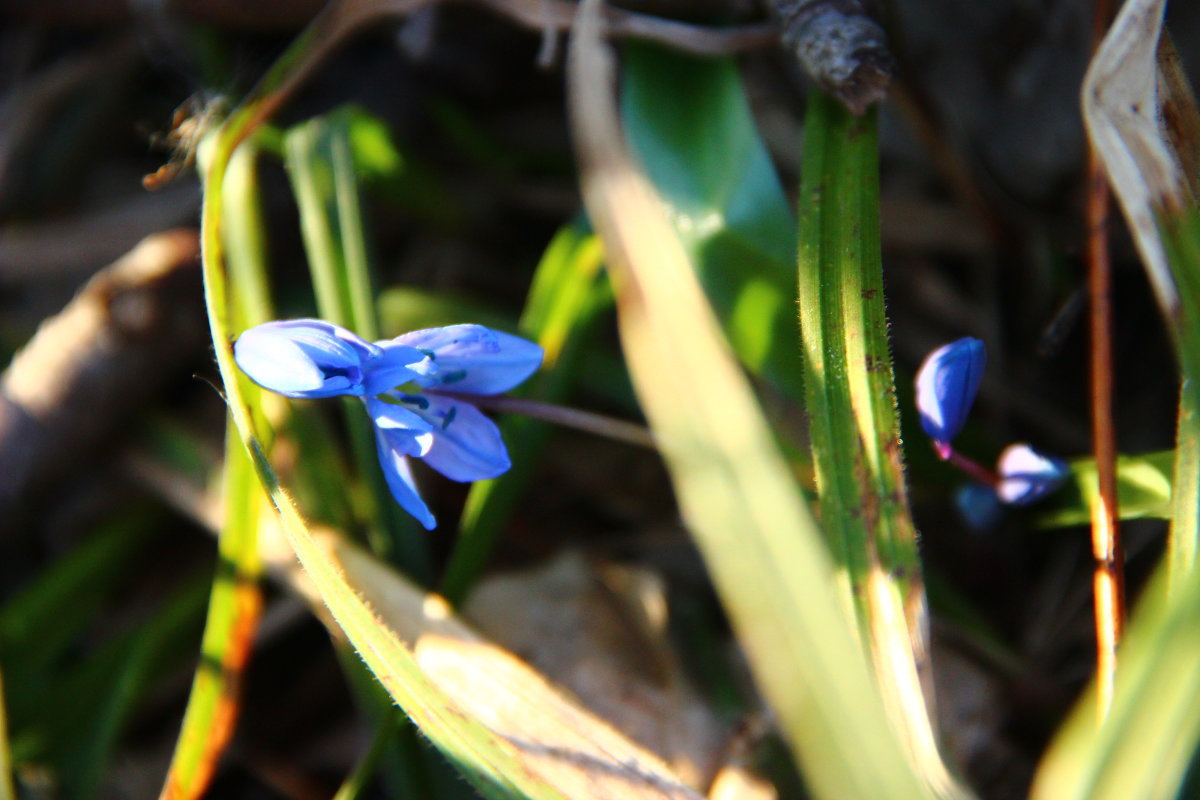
311	358
946	386
1027	475
978	506
303	358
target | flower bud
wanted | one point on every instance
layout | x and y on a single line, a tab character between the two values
946	386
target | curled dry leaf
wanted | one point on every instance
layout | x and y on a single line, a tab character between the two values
1123	110
599	629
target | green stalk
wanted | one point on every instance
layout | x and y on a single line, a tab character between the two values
1181	239
7	790
236	598
318	158
854	423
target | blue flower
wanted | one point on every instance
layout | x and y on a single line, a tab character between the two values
947	383
310	358
416	388
1027	475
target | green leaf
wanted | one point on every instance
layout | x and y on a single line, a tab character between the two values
235	600
1142	748
854	425
44	619
319	159
81	719
689	123
1143	490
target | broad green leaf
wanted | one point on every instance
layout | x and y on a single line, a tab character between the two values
762	547
690	125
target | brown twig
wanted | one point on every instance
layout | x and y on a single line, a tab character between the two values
841	46
1109	575
587	421
93	366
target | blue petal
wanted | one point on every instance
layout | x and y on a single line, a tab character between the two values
947	383
473	359
467	445
400	480
1027	475
393	365
408	432
304	358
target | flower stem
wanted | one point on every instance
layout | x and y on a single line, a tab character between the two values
598	424
974	469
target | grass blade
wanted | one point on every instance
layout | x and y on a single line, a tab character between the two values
1142	749
236	598
854	424
319	160
233	611
7	790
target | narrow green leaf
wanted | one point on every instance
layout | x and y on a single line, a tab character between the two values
43	620
320	162
234	606
236	598
81	720
1181	238
1142	748
854	425
7	789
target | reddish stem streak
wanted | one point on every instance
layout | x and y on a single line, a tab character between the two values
1108	578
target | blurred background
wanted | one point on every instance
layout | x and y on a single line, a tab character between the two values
106	543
